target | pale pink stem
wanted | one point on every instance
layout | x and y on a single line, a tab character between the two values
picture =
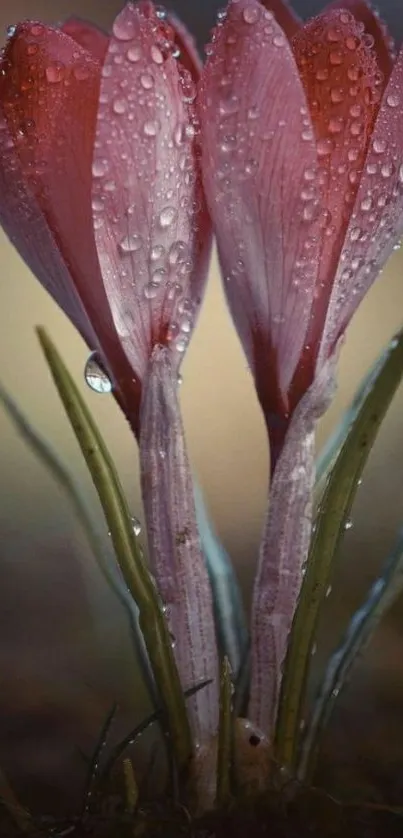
176	556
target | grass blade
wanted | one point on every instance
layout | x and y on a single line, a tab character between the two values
59	471
332	447
94	766
128	555
225	737
131	737
333	513
382	595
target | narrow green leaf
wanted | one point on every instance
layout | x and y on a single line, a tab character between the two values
137	577
59	471
332	516
382	595
225	737
94	765
332	447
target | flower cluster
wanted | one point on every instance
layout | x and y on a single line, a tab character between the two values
120	157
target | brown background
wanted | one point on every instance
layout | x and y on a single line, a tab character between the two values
63	642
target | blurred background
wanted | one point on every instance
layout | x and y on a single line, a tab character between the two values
65	652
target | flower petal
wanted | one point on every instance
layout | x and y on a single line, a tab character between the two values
284	551
151	225
374	26
175	551
376	223
259	168
91	39
25	225
49	90
340	77
285	16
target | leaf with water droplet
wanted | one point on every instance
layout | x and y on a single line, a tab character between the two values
334	512
95	375
130	560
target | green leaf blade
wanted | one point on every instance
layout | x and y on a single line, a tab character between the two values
334	511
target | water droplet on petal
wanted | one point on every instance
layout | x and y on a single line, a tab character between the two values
251	14
134	53
151	128
119	106
95	375
156	55
123	28
99	168
146	81
130	244
393	100
379	146
167	216
54	73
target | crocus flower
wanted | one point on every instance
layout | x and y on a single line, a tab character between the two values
101	194
302	128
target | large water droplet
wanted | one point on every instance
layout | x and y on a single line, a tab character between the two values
393	100
348	525
95	375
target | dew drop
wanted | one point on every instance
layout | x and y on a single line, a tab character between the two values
393	100
146	81
54	73
95	375
151	128
324	147
177	253
167	216
379	146
10	31
136	526
99	168
119	106
336	58
134	53
130	244
251	14
348	525
157	252
156	55
150	291
123	28
279	40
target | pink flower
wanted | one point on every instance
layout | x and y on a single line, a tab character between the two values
302	128
102	197
101	193
302	139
